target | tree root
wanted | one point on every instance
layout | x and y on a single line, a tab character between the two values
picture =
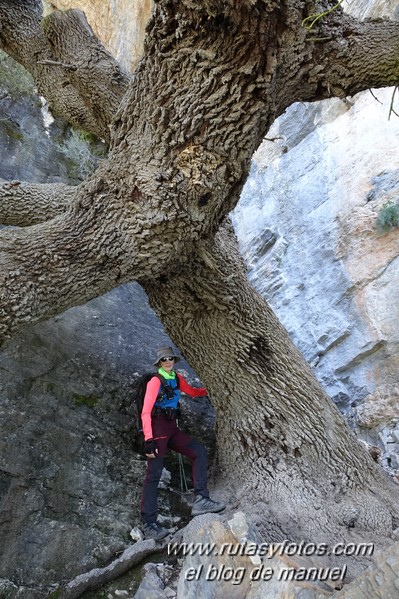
97	577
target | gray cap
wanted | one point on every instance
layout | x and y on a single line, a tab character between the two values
165	352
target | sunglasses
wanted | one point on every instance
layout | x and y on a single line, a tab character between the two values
168	359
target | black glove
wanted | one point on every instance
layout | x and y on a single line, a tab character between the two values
150	446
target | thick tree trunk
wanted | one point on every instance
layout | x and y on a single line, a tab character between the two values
213	78
283	447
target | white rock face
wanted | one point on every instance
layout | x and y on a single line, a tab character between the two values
372	9
306	225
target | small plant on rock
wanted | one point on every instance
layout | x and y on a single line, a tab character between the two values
388	216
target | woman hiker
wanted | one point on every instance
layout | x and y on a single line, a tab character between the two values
160	410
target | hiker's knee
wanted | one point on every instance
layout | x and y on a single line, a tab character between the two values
199	450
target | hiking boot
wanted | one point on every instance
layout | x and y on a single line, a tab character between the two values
205	505
153	530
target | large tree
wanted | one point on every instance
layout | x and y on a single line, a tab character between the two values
182	128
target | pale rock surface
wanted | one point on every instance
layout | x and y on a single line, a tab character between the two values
230	571
372	9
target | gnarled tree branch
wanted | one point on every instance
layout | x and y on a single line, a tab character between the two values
358	55
94	73
24	204
86	93
21	36
102	240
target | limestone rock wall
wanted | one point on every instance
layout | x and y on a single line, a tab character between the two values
70	467
70	479
372	9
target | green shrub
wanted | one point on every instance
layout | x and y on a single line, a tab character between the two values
82	153
388	216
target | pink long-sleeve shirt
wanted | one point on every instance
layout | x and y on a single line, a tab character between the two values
151	394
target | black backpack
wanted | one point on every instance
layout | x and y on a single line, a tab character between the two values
138	397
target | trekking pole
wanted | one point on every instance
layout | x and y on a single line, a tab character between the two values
183	480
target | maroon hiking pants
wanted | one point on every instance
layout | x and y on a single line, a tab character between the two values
168	435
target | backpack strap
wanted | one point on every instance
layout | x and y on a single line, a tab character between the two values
165	388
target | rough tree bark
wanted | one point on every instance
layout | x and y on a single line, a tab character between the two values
213	78
24	204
